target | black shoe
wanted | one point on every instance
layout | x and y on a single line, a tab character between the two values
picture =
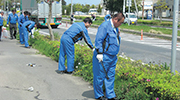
69	72
114	99
60	72
28	47
101	98
15	36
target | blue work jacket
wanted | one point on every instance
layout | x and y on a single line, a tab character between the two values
22	19
12	18
29	25
76	30
108	37
1	21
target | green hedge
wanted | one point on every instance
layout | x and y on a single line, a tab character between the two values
156	23
133	80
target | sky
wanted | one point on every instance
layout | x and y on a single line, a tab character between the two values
90	2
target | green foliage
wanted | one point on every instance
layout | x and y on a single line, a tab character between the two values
46	47
155	22
99	8
114	5
78	7
86	8
147	29
83	62
56	36
161	5
133	7
93	6
133	80
151	81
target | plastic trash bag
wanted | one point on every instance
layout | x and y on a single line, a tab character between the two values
4	33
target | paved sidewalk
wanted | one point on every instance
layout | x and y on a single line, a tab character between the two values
16	77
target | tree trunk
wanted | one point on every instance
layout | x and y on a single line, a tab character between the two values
49	20
160	15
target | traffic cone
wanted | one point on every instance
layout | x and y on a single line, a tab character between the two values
141	34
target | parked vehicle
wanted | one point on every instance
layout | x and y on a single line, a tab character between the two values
132	18
79	13
40	11
92	11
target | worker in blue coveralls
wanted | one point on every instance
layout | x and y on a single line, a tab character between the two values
22	18
107	17
107	44
12	19
72	35
27	26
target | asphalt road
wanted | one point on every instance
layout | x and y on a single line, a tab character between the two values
41	82
149	50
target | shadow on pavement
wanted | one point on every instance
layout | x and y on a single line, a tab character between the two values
88	94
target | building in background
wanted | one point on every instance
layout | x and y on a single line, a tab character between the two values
170	4
104	11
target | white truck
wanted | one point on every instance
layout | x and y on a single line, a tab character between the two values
40	11
132	18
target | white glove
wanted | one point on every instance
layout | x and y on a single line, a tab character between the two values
93	49
32	36
7	25
99	57
33	30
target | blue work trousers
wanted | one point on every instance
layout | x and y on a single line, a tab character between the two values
26	35
21	35
66	49
99	77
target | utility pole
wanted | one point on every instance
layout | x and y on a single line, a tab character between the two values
124	6
7	6
136	7
174	35
71	7
143	11
128	12
4	5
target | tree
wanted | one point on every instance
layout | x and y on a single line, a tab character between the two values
99	8
114	5
49	2
78	7
86	8
93	6
133	6
160	6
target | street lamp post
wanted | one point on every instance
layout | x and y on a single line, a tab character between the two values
174	35
71	7
129	12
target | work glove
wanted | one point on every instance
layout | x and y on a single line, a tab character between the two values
93	49
32	36
99	57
